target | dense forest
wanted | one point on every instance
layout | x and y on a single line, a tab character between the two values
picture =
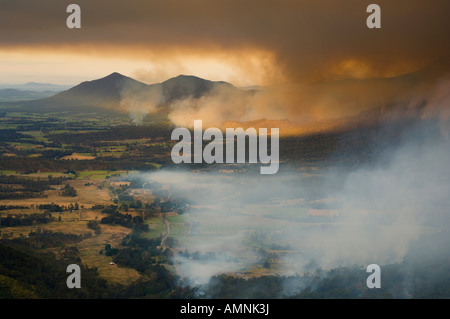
29	165
15	187
28	273
25	220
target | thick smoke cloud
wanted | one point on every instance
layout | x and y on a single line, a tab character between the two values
320	59
323	218
372	215
438	106
309	39
138	103
310	107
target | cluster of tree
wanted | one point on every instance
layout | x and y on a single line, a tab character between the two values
113	134
34	164
8	207
27	124
125	198
178	205
136	240
12	193
108	209
125	220
70	254
159	283
41	239
140	252
136	204
109	251
139	259
56	154
51	208
31	183
69	191
28	273
93	224
116	218
25	220
11	135
14	187
73	207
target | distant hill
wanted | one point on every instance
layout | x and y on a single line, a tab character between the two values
29	91
110	91
36	87
21	95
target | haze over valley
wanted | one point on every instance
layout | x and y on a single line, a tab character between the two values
87	174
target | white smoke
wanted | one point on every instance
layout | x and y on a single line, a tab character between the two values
371	216
138	103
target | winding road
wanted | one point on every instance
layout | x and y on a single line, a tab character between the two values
163	240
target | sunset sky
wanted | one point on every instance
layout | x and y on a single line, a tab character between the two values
244	42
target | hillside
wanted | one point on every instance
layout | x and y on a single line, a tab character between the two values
112	91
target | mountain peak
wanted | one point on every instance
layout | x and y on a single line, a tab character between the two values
186	76
192	80
115	75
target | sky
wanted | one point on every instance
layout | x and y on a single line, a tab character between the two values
244	42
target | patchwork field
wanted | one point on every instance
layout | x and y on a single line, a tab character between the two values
93	188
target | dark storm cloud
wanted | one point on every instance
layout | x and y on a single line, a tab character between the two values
308	38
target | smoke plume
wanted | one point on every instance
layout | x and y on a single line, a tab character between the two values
324	218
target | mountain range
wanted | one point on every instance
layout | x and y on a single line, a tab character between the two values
29	91
122	94
112	91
